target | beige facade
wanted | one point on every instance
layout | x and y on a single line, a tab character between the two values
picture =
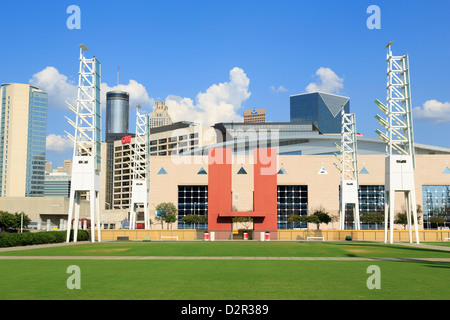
67	167
160	115
53	208
255	115
15	99
317	172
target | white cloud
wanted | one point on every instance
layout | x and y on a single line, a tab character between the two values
60	89
433	110
57	86
58	143
279	89
328	82
219	103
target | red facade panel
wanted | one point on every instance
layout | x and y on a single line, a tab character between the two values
265	189
219	188
220	193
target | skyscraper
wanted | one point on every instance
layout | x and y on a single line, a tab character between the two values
117	113
117	126
160	115
323	109
23	129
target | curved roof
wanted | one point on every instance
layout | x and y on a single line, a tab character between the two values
312	144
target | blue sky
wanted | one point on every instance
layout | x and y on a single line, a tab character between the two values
233	52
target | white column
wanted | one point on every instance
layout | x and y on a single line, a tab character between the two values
69	218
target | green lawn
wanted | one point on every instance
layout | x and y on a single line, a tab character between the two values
222	280
237	248
226	279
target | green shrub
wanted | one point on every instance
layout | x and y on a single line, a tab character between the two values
32	238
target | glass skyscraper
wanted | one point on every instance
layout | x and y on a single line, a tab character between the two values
117	113
23	110
117	122
322	109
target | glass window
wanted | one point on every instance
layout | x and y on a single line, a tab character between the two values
291	200
192	200
436	206
371	202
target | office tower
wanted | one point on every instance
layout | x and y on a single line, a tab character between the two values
323	109
117	122
160	115
117	113
23	129
255	115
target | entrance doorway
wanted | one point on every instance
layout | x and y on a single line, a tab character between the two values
242	228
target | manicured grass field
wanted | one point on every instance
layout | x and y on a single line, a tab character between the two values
226	279
237	249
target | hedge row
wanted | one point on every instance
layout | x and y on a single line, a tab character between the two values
32	238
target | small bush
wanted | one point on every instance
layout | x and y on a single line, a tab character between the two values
32	238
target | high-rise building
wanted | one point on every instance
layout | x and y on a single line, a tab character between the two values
23	130
176	139
322	109
117	113
160	115
255	115
57	184
67	168
117	126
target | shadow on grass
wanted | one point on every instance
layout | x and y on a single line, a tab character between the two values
391	247
430	264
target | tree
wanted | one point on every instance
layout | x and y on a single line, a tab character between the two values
194	218
170	218
318	217
401	217
438	216
6	220
166	212
295	218
376	217
438	220
13	221
246	221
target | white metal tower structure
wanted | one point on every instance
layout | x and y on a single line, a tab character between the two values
399	163
86	163
348	166
140	182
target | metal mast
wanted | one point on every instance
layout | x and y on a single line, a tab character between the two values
399	139
140	183
348	166
86	163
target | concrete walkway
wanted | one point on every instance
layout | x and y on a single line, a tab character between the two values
40	246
